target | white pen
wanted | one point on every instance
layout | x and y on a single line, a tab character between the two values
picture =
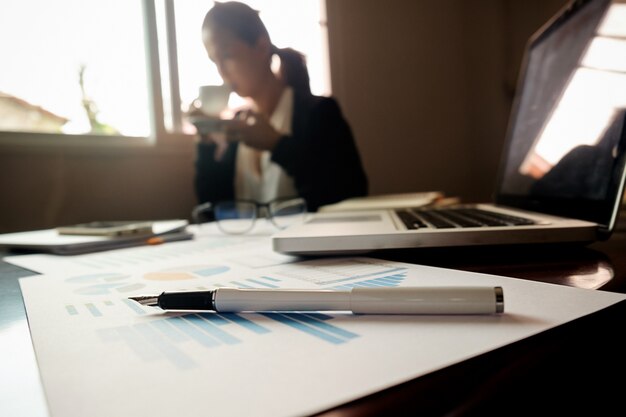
384	300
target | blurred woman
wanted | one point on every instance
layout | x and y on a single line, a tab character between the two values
289	143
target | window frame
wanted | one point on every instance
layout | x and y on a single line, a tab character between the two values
159	136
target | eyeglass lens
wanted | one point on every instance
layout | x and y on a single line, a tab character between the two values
235	216
288	212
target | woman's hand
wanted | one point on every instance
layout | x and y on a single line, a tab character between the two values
254	130
248	127
211	131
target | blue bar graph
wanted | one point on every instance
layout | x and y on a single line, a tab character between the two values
71	310
318	316
288	320
322	325
170	351
93	310
245	323
193	332
239	284
133	306
262	283
141	347
376	273
259	282
386	281
214	318
169	330
165	338
211	329
270	279
168	337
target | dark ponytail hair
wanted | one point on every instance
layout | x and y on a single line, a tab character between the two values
245	23
293	69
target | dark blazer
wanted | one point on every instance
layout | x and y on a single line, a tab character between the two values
320	155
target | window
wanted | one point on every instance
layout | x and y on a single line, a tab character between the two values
114	68
73	66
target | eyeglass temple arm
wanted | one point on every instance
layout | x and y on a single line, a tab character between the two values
195	213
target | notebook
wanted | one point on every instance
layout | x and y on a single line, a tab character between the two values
561	175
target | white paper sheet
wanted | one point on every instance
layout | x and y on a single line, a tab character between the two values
252	249
101	355
51	240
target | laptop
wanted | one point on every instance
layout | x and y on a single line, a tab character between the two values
561	175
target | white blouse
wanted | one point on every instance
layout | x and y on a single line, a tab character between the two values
270	181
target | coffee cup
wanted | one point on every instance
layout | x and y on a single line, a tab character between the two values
213	99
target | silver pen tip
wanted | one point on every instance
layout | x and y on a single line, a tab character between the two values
146	300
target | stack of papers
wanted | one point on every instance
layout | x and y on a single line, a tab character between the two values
49	240
101	354
385	201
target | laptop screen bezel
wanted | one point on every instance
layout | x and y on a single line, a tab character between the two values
603	212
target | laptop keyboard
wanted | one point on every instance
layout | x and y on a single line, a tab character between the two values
455	217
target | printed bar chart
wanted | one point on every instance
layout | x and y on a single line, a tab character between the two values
164	339
169	337
386	281
335	271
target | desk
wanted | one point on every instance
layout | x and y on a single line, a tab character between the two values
575	368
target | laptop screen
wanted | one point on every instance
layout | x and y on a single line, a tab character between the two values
565	149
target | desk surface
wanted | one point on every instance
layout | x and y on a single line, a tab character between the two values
568	369
565	371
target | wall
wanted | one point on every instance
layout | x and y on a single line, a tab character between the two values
425	84
51	186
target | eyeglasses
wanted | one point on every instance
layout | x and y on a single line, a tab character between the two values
239	216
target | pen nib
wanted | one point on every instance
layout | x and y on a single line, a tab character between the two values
146	300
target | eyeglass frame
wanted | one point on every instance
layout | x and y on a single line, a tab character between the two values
210	207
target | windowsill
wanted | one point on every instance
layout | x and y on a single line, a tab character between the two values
27	142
